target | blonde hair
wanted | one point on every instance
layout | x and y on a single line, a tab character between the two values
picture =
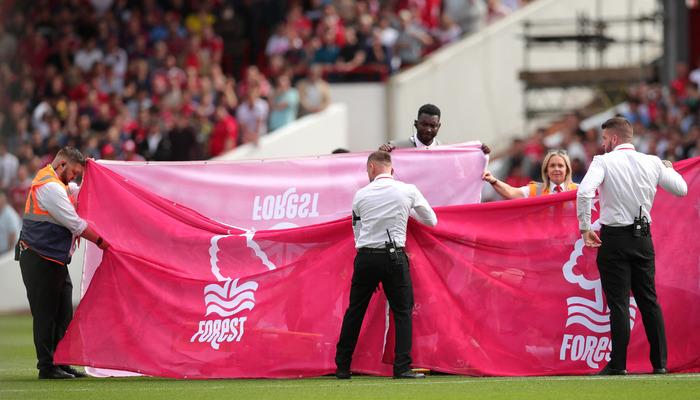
545	163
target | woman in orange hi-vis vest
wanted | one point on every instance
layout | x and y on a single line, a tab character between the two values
556	177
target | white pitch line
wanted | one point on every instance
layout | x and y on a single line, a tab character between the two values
268	384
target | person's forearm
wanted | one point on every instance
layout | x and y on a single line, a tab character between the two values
506	191
583	212
90	234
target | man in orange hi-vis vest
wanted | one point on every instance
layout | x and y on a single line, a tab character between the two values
44	249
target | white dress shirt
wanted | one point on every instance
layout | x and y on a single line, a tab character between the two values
53	198
386	204
625	179
422	145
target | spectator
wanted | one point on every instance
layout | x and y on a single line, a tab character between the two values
448	31
155	147
183	140
252	116
284	104
129	152
412	40
681	82
8	166
278	43
388	33
470	15
224	136
19	189
328	52
88	55
213	46
694	75
254	78
351	56
10	225
117	59
637	113
8	45
378	55
314	92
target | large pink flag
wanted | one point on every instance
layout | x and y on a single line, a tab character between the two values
503	288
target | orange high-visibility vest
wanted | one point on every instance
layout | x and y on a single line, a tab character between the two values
538	189
40	231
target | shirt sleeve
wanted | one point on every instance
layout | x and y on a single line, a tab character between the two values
671	181
54	199
586	191
73	191
525	190
421	209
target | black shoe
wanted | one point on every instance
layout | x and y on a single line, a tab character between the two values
342	374
612	371
72	371
409	375
660	371
54	373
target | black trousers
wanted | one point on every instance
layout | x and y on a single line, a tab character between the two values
49	291
370	269
626	263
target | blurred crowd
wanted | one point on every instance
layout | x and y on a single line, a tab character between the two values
171	80
666	122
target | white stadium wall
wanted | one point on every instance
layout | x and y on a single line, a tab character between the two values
367	113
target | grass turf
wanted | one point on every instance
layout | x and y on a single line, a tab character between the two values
18	380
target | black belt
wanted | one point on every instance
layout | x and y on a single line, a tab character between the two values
370	250
624	228
618	230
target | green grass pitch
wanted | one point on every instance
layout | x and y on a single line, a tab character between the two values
18	380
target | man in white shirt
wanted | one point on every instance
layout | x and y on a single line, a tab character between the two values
380	214
626	181
49	228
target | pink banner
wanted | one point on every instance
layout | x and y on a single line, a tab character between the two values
503	288
285	193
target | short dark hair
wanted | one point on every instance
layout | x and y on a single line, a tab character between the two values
619	126
71	154
430	109
380	157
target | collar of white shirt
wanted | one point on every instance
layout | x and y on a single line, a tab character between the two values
380	176
624	146
552	187
421	144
